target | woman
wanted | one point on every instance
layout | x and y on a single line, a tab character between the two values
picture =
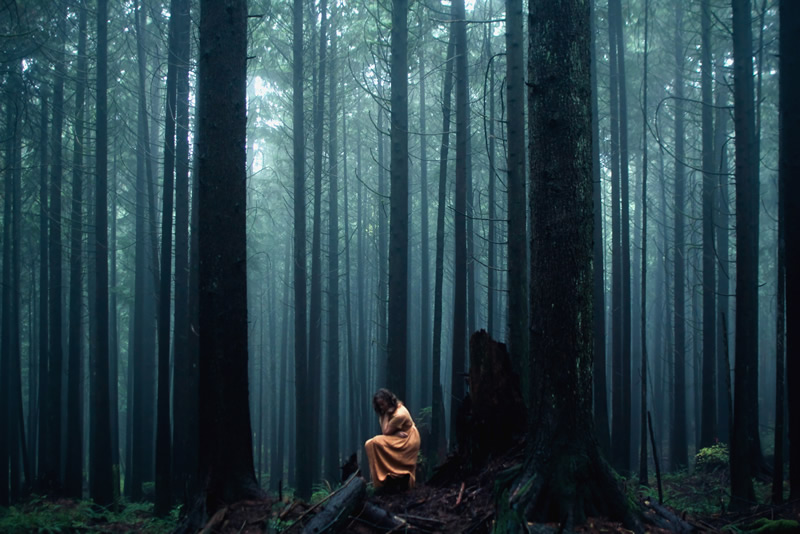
393	454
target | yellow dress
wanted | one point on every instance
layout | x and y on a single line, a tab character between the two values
390	454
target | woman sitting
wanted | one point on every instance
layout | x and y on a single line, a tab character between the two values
393	454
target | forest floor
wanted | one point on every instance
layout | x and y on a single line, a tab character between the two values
457	501
454	501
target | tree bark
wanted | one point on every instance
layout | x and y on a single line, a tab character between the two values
708	429
744	439
517	254
332	402
565	479
457	386
315	299
100	475
789	131
303	407
73	477
598	274
438	444
678	439
184	463
226	461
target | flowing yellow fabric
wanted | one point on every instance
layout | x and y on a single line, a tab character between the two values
390	454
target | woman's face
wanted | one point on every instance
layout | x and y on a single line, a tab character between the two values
383	406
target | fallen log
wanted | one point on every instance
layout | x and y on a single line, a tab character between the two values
341	504
378	518
673	522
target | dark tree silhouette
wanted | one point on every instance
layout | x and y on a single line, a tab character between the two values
708	425
438	445
73	476
565	479
303	408
398	230
678	440
789	141
100	474
598	274
226	459
518	326
457	384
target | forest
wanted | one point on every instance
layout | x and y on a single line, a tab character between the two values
563	233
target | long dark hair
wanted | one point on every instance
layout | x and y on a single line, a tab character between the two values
388	397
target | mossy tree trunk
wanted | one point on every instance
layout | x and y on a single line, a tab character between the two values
565	478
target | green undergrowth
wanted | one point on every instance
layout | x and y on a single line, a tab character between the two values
703	491
42	515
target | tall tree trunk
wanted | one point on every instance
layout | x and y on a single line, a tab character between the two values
315	308
643	318
744	439
460	269
73	478
492	263
332	402
438	445
184	460
226	462
40	435
20	464
722	212
620	431
143	350
10	324
598	273
163	423
564	477
51	469
398	230
425	262
625	234
789	131
517	254
276	466
100	475
678	440
381	371
708	429
303	409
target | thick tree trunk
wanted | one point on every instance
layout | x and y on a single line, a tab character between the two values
565	479
226	461
744	439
